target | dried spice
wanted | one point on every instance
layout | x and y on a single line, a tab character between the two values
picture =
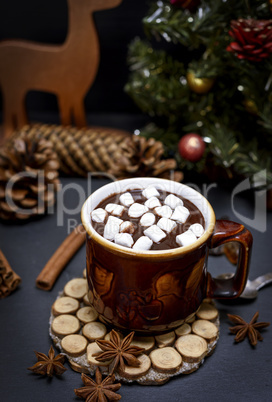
243	329
120	351
98	390
49	365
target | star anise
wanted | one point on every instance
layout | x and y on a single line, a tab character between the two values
120	351
243	329
48	365
98	390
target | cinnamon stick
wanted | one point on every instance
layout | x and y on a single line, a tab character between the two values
60	258
9	279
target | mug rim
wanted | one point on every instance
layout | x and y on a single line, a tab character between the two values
154	254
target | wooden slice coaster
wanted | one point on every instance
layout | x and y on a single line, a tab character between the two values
86	300
206	329
184	329
192	348
74	345
76	288
78	367
191	318
87	314
145	342
65	305
135	372
91	350
94	330
166	360
65	324
207	311
107	336
75	325
166	339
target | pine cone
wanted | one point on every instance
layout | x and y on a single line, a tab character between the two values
99	149
28	178
81	151
143	157
253	39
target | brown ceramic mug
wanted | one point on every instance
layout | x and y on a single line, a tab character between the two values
154	291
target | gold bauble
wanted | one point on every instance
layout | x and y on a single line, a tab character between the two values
250	106
199	85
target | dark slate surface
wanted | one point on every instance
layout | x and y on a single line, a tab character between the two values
234	372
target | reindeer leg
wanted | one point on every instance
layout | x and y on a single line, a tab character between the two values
65	110
14	112
78	112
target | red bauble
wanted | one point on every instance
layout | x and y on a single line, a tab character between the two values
191	147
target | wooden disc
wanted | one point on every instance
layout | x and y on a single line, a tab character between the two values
78	367
165	339
145	342
93	348
184	329
87	314
65	324
207	312
65	305
190	318
107	336
133	373
166	360
206	329
74	345
76	288
94	330
192	348
86	300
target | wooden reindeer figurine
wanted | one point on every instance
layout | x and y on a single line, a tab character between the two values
67	70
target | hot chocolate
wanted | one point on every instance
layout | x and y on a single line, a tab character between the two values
148	219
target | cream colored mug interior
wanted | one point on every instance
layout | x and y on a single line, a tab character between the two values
141	183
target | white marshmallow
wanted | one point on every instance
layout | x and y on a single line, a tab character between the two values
126	199
165	211
147	219
124	239
112	227
99	215
136	210
180	214
155	233
152	202
173	201
186	238
197	229
115	209
127	227
143	243
166	224
150	191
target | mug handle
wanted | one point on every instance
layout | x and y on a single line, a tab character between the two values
224	232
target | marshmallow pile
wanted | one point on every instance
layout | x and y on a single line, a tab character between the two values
167	213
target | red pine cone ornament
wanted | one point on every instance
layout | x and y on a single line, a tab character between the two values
253	39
